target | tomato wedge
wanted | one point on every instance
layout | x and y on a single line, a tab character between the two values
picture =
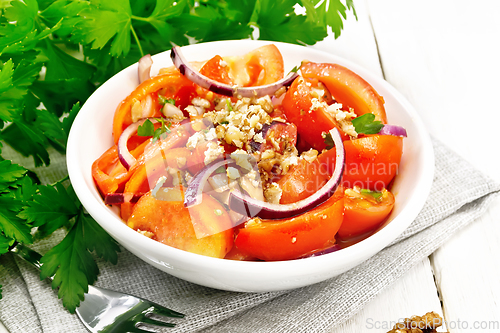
261	66
108	172
311	124
373	161
347	88
215	70
301	181
294	237
364	212
170	223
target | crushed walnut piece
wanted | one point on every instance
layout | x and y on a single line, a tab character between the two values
425	324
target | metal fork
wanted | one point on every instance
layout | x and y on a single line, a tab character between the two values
105	311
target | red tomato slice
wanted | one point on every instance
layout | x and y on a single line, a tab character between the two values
301	181
294	237
261	66
372	161
214	70
108	172
170	223
364	213
347	88
311	124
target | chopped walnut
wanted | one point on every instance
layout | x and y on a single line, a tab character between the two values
425	324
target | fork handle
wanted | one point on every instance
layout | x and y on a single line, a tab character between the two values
27	254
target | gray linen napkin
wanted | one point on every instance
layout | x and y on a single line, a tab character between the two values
460	194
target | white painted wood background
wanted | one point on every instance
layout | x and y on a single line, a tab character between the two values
444	56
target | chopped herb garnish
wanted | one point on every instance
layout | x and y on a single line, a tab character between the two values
228	104
366	124
162	100
224	122
296	68
375	194
328	141
148	129
220	170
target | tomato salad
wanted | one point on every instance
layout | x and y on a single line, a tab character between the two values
232	159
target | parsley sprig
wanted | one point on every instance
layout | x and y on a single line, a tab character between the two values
148	129
54	54
366	124
376	195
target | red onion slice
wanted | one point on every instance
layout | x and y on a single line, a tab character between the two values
120	198
147	107
144	68
248	206
223	89
193	193
124	154
393	130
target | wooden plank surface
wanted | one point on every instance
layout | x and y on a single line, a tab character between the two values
443	56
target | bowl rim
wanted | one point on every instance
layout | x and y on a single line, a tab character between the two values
378	240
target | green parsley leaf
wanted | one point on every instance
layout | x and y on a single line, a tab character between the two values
14	83
52	128
10	174
296	68
72	265
329	13
163	11
146	129
24	14
162	100
98	241
10	225
62	12
375	194
289	27
28	140
328	141
5	243
162	130
62	66
68	120
366	124
104	20
50	203
229	105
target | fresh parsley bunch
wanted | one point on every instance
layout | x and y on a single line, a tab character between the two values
54	54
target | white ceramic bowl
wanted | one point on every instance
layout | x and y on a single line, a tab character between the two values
90	136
